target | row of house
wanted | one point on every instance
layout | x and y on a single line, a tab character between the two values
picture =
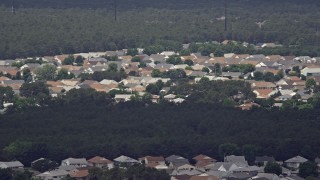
178	167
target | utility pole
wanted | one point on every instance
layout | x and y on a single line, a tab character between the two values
225	15
13	9
115	10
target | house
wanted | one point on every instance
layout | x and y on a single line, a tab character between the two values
186	167
265	176
204	178
264	93
78	162
224	166
122	97
11	165
57	174
176	161
263	160
100	162
169	97
310	71
124	161
295	162
154	162
248	105
81	174
202	161
239	160
263	85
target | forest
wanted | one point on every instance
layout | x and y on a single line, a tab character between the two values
47	27
86	123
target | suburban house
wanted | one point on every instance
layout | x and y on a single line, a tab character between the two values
263	160
100	162
78	162
310	71
81	174
57	174
295	162
239	160
11	165
157	162
124	161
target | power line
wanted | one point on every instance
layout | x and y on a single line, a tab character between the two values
13	9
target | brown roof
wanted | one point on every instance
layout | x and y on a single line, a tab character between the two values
264	93
56	89
62	57
99	160
154	158
204	178
70	67
2	78
203	163
263	84
249	62
201	157
241	56
80	174
54	83
99	87
220	60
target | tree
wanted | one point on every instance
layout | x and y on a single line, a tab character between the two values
6	174
132	52
79	60
228	149
268	77
136	59
205	69
25	175
156	73
153	89
44	165
185	52
273	167
47	72
68	60
189	62
142	64
34	89
258	76
174	59
310	83
6	94
64	74
113	67
217	69
308	169
26	75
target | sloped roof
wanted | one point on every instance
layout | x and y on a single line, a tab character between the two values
297	159
99	160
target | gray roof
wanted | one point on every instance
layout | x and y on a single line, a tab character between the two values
13	81
235	159
76	161
11	164
297	159
57	172
125	159
166	66
99	59
264	159
173	158
186	172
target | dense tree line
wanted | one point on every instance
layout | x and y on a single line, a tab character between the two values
75	27
85	123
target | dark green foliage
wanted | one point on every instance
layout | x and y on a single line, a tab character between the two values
35	89
308	169
273	167
6	94
64	74
258	76
153	89
189	62
79	60
205	69
47	72
243	68
132	52
132	172
44	165
136	59
68	60
175	59
6	174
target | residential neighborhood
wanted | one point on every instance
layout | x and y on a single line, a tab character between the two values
280	78
179	168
